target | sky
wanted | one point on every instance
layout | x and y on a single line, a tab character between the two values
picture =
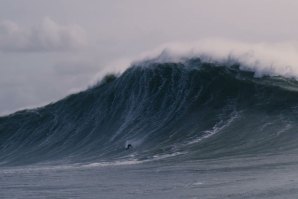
51	48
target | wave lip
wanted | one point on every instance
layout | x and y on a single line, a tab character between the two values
192	107
264	59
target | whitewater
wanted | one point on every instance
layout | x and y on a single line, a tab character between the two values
199	126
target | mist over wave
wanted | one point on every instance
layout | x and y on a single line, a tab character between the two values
165	107
273	59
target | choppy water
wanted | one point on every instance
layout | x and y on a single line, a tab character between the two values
264	177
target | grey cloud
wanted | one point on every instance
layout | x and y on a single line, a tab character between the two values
47	36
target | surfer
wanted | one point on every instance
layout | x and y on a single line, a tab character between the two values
129	146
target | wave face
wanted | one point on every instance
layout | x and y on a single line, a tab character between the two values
191	109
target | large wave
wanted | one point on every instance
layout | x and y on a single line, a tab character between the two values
191	108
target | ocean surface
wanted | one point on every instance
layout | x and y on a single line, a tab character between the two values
197	129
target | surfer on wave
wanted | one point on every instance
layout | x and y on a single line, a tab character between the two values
129	146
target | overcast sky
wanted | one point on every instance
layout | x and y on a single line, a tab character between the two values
50	48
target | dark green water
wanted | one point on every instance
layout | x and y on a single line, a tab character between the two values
197	130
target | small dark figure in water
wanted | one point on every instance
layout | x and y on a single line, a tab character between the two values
129	146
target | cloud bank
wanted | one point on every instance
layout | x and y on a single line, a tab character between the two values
46	37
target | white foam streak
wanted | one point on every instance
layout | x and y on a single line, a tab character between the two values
217	128
133	161
89	165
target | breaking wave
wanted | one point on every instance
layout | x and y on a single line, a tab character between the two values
186	109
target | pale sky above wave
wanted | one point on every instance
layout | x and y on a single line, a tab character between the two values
49	49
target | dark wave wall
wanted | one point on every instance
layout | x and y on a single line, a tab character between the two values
194	108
